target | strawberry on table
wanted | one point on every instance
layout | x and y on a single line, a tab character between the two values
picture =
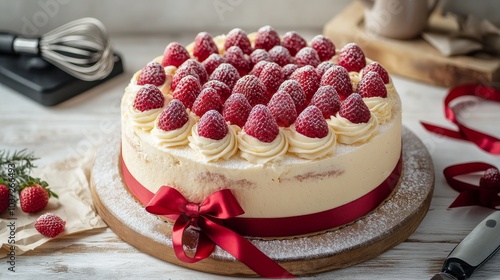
34	196
50	225
4	196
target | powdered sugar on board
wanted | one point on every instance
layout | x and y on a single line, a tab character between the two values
416	185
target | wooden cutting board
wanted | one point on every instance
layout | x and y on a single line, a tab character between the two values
414	58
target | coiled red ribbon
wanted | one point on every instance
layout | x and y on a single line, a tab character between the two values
486	142
208	216
471	194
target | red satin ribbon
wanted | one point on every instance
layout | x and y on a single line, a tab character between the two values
217	220
471	194
486	142
208	217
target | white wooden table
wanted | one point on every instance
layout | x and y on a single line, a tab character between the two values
71	128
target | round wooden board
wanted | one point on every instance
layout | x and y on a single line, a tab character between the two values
390	224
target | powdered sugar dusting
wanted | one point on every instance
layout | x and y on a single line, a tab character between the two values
416	185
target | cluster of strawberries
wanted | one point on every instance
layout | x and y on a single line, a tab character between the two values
276	83
33	197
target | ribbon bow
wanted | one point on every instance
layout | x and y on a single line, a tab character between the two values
471	194
486	142
207	217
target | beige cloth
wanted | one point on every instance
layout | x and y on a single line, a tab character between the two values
70	180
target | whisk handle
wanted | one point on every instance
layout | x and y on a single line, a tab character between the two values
12	44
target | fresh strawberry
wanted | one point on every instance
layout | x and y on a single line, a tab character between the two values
225	73
338	77
293	88
327	100
376	67
173	117
271	77
222	89
288	69
283	109
261	124
311	123
193	66
490	179
253	89
323	46
236	109
280	55
153	73
354	109
212	62
352	58
175	54
237	58
180	74
267	38
259	55
323	67
307	56
212	126
257	68
34	196
371	85
148	97
4	196
293	42
50	225
238	37
187	90
208	100
308	80
204	46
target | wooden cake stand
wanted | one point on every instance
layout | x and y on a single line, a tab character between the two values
390	224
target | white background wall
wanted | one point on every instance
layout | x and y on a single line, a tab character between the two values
168	16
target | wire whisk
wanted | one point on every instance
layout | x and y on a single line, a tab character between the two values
81	48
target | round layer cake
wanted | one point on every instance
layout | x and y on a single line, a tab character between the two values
291	127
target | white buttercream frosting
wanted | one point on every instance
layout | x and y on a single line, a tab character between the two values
353	133
381	107
258	152
211	149
310	148
172	138
355	78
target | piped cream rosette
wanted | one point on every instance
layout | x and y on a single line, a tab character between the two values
173	138
353	133
143	120
258	152
380	107
211	149
310	148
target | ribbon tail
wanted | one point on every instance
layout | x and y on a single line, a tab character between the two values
243	250
204	248
443	131
467	198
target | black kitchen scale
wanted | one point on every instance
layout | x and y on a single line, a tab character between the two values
43	82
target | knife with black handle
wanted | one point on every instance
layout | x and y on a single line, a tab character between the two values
473	251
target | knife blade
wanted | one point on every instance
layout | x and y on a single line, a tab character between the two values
473	251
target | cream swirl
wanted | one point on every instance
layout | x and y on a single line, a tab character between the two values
172	138
355	78
310	148
391	90
380	107
258	152
211	149
143	120
353	133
